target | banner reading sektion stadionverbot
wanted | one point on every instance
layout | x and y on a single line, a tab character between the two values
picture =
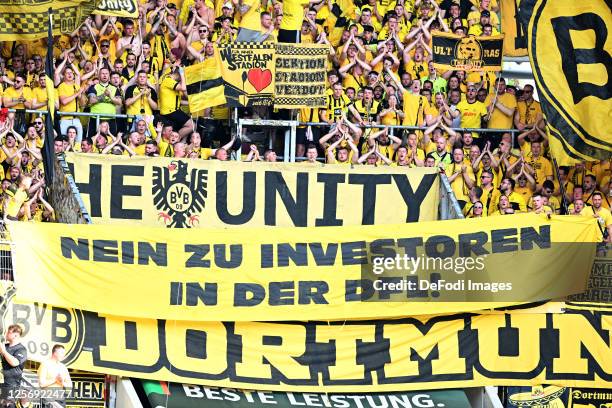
185	193
570	349
304	274
300	75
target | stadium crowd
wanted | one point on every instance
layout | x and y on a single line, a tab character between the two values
379	73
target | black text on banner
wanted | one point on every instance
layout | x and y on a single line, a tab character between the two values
197	193
471	53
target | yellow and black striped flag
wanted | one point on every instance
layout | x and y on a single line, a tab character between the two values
205	84
569	49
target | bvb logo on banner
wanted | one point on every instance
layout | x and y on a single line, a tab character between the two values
569	47
179	197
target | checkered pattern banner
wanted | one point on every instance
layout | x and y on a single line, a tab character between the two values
302	49
300	75
29	21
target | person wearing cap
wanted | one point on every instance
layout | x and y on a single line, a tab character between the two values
307	33
226	11
485	20
224	34
368	36
485	7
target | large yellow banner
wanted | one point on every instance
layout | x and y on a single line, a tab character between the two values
453	351
208	193
25	21
248	73
569	45
353	272
515	40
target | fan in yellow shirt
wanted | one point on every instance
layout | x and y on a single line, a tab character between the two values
501	107
460	177
250	20
604	217
472	110
16	95
528	110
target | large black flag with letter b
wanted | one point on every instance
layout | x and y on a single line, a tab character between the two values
569	45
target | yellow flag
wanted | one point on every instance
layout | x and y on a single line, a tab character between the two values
28	21
205	84
569	48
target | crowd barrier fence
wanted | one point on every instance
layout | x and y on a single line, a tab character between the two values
290	126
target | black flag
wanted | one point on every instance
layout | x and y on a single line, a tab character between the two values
48	150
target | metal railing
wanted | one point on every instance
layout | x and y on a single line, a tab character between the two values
448	207
65	189
290	134
6	254
240	123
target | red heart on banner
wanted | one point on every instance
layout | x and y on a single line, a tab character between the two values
260	78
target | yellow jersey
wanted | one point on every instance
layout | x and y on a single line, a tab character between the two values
414	109
528	113
66	89
498	119
169	97
251	20
471	113
12	93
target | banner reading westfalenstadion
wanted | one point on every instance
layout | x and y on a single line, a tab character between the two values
185	193
26	21
248	73
453	351
290	76
307	274
470	53
120	8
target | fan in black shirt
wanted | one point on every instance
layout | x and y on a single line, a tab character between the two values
14	356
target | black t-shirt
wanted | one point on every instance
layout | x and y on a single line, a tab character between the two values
12	375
